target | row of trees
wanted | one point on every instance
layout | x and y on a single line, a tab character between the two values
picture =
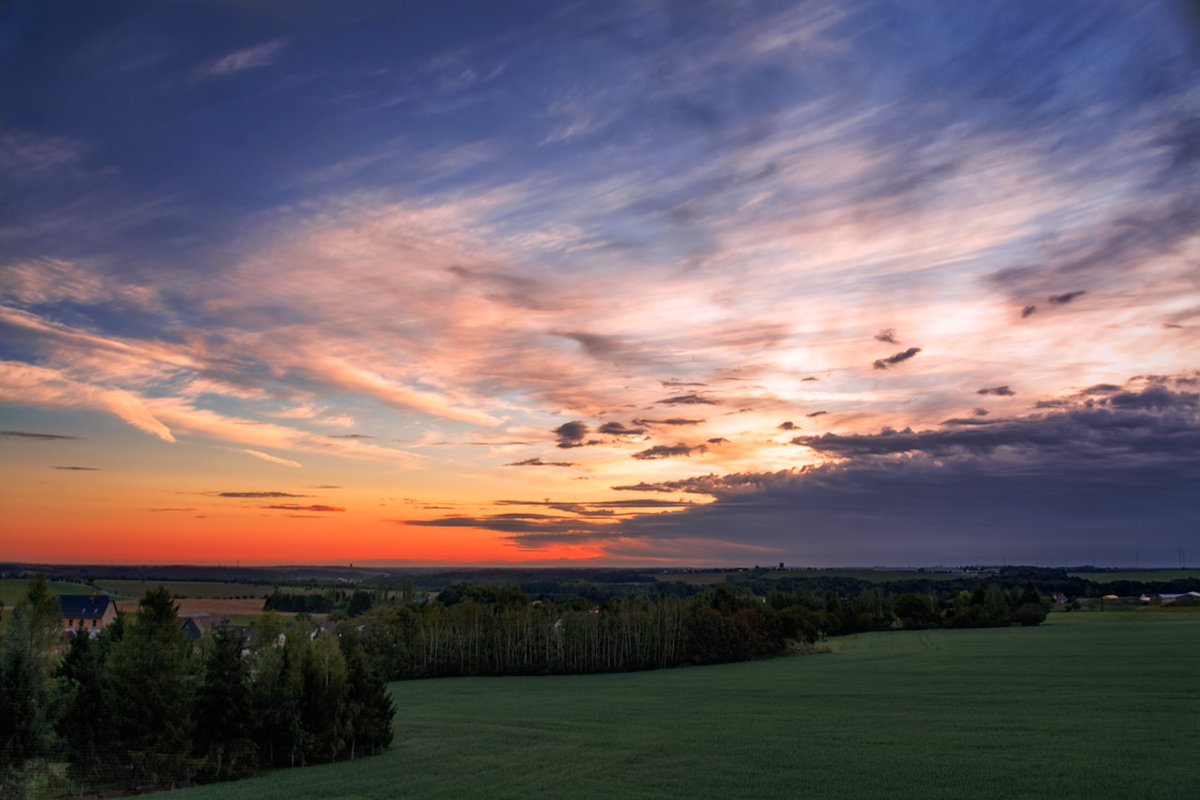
140	706
488	630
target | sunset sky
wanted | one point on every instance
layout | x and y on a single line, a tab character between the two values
828	283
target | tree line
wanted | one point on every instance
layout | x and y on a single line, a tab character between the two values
474	629
141	707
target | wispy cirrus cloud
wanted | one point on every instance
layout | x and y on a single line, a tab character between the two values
286	462
259	55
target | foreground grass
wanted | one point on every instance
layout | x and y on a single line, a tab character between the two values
1085	706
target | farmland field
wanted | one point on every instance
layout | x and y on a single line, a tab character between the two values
119	587
1086	705
12	589
1138	575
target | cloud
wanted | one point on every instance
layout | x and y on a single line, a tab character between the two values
32	385
668	451
287	462
285	507
248	495
687	400
998	391
44	437
162	510
1116	425
670	421
788	426
1046	487
571	434
816	414
537	462
618	429
1028	310
644	487
350	436
79	469
259	55
884	363
1063	299
887	335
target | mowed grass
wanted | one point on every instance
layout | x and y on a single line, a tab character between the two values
1085	706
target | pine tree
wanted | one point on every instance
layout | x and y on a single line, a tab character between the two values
27	663
369	707
147	694
222	710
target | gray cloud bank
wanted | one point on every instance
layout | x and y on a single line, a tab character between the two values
1100	478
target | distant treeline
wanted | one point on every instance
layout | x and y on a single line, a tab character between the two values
475	629
141	707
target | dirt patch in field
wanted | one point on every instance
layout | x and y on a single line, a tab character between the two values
217	606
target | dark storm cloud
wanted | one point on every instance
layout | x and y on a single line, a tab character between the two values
884	363
668	451
969	421
1155	420
42	437
537	462
619	429
304	508
1063	299
999	391
888	335
669	421
259	494
571	434
686	400
79	469
1069	484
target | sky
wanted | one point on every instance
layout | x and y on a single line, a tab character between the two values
602	283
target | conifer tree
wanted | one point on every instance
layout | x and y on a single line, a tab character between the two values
147	694
27	663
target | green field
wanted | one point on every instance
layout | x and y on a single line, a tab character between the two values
1138	575
1084	706
12	589
872	575
131	589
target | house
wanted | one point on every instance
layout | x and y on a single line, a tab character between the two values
196	625
91	613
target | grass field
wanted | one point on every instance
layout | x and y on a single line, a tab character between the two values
1138	575
135	590
11	589
1084	706
872	575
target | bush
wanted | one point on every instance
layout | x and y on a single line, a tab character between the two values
1031	614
